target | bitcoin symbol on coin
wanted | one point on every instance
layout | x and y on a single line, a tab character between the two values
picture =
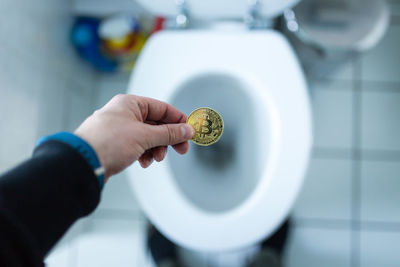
205	126
208	125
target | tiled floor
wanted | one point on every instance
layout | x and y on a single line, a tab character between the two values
382	64
380	188
44	87
332	103
317	246
326	192
100	242
347	213
380	248
380	118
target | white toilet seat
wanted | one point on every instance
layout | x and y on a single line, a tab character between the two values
171	58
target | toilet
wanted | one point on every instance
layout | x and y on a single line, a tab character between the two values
233	194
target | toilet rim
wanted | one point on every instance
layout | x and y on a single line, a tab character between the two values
258	211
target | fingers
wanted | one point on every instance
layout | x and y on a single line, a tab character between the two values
168	134
146	159
159	153
155	110
181	148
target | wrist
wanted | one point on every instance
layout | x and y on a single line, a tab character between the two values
83	148
97	146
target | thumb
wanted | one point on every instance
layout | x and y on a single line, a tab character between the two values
169	134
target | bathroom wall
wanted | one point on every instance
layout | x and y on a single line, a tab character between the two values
44	87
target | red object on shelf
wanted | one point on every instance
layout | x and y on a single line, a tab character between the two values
158	24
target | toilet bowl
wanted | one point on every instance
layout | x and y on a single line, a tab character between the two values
238	191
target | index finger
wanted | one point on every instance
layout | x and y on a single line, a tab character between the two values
155	110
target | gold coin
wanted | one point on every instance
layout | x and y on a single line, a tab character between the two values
208	126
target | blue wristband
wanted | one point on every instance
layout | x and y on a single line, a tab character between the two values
83	148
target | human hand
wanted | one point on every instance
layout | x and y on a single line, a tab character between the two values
130	128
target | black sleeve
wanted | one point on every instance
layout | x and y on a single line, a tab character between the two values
40	199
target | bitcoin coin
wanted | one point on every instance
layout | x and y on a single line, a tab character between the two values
208	126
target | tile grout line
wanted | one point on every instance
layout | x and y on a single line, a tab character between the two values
335	224
347	153
355	238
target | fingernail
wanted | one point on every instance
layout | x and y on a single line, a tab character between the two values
149	162
187	131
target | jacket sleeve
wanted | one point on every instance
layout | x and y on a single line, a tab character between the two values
40	199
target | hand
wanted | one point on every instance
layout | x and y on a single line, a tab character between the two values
130	128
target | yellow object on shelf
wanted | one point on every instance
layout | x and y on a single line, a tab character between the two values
121	40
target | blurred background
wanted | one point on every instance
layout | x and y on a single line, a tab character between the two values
348	212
